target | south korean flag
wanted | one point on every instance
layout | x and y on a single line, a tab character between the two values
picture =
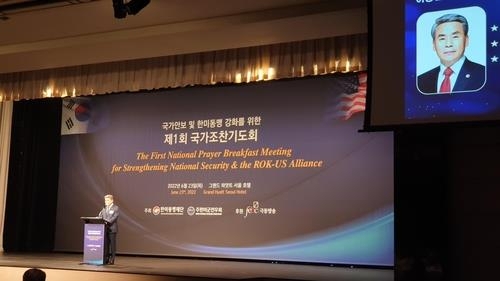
76	116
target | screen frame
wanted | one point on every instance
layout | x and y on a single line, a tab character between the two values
386	104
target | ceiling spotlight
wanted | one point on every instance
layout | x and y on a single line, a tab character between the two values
132	7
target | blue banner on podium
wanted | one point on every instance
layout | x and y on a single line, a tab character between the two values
94	241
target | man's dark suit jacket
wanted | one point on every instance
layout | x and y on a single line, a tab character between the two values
111	216
470	78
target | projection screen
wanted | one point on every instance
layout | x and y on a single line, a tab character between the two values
413	42
264	171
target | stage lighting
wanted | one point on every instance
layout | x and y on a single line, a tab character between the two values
132	7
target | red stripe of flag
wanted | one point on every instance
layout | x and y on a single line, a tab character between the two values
351	104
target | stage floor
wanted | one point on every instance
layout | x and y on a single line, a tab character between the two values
195	269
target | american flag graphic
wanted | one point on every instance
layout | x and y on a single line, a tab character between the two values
352	99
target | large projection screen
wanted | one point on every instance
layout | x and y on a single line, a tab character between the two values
265	171
412	44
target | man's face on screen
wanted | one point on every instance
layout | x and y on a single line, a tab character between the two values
450	42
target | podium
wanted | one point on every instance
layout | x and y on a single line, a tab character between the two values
94	241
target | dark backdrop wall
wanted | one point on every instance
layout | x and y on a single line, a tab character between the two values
446	202
421	203
474	209
445	187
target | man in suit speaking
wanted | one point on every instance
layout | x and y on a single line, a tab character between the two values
110	214
456	73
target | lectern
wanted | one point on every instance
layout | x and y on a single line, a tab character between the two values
94	241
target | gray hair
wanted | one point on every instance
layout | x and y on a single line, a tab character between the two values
450	18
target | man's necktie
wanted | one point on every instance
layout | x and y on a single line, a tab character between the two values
445	86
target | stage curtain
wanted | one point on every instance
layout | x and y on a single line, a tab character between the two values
30	206
5	127
284	60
